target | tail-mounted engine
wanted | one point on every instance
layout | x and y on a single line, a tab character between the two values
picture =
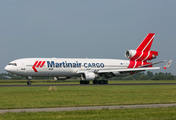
139	55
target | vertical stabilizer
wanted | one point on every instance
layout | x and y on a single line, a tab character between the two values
142	54
146	43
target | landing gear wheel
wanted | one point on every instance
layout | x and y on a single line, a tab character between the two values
84	82
95	81
105	82
87	82
81	82
28	83
29	78
100	82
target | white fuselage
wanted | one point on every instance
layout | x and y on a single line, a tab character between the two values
88	69
61	67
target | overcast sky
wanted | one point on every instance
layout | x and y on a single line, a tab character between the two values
85	28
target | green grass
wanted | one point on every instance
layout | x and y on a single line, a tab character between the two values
70	81
104	114
64	96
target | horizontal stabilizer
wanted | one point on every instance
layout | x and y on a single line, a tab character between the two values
152	64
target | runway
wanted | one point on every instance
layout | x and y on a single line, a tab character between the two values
38	85
85	108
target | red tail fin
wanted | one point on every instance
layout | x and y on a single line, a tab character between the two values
146	43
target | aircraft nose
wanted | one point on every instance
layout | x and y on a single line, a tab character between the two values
7	68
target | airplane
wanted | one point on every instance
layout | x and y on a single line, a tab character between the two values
88	69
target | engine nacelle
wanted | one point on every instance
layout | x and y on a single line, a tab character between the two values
139	55
61	78
88	76
130	53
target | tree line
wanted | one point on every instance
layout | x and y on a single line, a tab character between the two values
138	76
148	76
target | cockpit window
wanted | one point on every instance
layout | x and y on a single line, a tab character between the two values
14	64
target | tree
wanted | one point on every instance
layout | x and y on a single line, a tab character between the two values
149	74
17	78
170	76
130	77
143	77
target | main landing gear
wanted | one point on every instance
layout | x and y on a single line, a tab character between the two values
84	82
100	81
29	82
94	82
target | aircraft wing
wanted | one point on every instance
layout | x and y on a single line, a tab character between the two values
125	70
141	68
128	70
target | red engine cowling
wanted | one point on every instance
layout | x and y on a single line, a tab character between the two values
141	56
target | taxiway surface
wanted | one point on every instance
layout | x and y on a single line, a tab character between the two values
34	85
86	108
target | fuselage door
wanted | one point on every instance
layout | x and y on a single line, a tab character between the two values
23	66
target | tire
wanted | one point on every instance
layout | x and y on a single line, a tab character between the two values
101	81
105	82
29	83
81	82
95	81
87	82
84	82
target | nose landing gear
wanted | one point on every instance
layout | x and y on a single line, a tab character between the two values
29	82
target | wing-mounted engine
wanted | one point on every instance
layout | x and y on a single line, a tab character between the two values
89	76
140	55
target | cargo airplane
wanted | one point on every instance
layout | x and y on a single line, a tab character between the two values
88	69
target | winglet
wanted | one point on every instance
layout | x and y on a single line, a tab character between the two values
168	64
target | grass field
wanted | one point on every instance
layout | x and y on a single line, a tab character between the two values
75	81
104	114
64	96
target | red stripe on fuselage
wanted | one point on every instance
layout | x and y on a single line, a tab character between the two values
136	64
132	63
42	64
35	70
39	63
